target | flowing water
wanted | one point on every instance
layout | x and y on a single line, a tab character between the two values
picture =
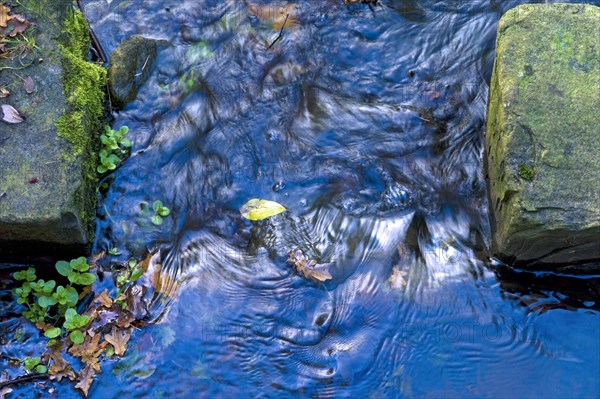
368	126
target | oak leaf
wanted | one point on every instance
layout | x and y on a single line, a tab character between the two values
86	378
118	338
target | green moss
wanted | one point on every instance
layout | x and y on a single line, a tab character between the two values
80	123
84	84
526	172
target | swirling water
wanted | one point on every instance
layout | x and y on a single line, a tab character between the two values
368	126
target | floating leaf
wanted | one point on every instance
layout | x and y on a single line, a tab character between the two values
60	368
118	338
86	378
307	267
10	114
30	362
260	209
104	299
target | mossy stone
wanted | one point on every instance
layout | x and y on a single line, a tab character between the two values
543	136
129	68
47	163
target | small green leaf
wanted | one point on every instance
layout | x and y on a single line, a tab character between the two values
136	274
157	205
164	211
49	286
64	268
30	362
53	332
40	368
45	301
71	296
80	264
126	143
85	279
259	209
156	220
70	314
76	336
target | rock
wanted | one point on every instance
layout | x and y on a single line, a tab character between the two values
129	68
543	136
47	163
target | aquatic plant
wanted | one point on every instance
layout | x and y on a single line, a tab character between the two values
114	145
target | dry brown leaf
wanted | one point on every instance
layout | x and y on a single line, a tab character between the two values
277	15
307	267
96	257
5	391
397	279
60	368
125	318
104	299
29	84
88	348
4	91
118	338
4	17
86	378
17	27
10	114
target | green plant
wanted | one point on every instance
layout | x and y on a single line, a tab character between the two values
114	145
160	211
114	251
31	363
45	301
73	323
526	172
131	273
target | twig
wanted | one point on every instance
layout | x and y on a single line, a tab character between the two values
280	32
95	42
23	378
144	67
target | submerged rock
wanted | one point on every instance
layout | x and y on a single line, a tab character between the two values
130	66
543	137
47	162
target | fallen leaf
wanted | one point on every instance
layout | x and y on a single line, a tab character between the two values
396	279
95	258
28	84
4	17
4	391
259	209
88	349
86	378
276	15
118	338
307	267
17	27
60	368
4	91
104	299
10	114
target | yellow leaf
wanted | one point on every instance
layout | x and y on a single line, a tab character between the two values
259	209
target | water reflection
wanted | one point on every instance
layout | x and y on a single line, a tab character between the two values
368	126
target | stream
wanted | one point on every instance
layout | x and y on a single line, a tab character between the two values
368	126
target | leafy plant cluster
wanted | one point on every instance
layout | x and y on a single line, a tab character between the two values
131	273
48	303
114	146
160	211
